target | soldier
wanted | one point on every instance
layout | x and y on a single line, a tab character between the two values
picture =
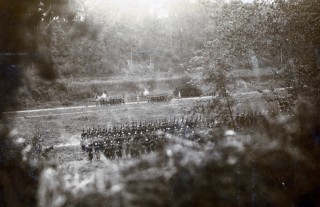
260	119
109	152
247	119
255	119
89	150
242	120
36	149
111	101
237	120
118	100
45	152
134	147
145	145
118	150
97	148
251	119
107	147
83	134
82	144
113	148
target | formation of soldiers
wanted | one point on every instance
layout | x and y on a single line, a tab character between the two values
249	119
285	103
239	121
125	140
135	139
112	101
158	98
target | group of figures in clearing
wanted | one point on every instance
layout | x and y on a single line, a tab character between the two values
125	140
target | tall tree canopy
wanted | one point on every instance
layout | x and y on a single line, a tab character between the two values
20	36
283	33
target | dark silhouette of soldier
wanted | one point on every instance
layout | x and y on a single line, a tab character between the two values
89	151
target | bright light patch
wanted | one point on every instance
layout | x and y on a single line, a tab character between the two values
156	8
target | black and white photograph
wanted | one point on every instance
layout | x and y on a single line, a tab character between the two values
159	103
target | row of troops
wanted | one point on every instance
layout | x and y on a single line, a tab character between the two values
126	146
285	103
159	98
112	101
250	119
239	121
132	141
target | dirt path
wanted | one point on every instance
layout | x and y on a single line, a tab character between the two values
128	103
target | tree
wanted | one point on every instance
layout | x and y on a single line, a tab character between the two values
19	46
283	33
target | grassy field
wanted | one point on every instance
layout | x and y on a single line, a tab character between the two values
62	128
64	125
70	122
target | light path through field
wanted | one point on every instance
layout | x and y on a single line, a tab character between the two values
88	111
136	105
90	106
71	141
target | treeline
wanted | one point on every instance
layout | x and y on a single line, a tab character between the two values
209	38
121	42
281	34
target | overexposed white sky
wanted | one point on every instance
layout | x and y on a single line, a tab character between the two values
158	8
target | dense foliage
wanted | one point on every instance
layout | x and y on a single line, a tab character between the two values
126	41
283	33
274	165
19	47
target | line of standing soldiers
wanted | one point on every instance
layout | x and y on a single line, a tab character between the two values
134	140
285	103
112	101
243	120
250	119
159	98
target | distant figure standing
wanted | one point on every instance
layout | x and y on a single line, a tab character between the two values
97	149
179	95
89	151
138	99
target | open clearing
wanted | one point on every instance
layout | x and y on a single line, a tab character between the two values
61	127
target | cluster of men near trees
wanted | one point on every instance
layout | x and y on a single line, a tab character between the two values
103	100
112	101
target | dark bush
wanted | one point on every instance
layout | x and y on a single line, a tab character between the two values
188	90
66	103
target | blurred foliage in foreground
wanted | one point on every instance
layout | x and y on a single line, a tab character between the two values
274	166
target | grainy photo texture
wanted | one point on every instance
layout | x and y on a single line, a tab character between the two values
182	103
